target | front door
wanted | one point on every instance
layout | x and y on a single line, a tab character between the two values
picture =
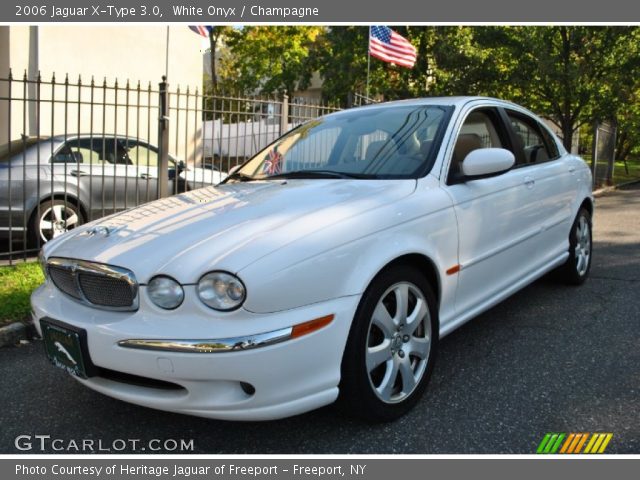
497	217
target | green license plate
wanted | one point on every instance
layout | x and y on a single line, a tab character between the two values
63	348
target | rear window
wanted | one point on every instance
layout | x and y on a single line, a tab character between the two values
15	147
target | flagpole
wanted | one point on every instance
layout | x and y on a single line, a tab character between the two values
368	63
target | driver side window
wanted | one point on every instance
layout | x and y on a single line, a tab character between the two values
479	130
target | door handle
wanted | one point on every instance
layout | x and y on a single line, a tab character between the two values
78	173
529	182
145	175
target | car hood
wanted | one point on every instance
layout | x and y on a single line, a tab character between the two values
223	228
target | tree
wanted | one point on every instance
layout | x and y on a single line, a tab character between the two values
341	59
216	34
272	59
568	74
628	126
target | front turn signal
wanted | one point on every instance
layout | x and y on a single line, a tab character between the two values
311	326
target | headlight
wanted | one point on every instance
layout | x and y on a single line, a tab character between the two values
221	291
165	292
43	264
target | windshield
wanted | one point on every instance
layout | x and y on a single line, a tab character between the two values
386	142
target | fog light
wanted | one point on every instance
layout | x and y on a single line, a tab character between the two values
247	388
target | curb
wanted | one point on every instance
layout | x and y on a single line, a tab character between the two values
605	190
12	334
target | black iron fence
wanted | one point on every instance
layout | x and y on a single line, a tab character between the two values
72	151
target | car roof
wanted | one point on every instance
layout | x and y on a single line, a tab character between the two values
452	101
72	136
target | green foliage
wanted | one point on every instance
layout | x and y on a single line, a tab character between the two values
16	284
217	35
341	59
271	59
628	122
572	75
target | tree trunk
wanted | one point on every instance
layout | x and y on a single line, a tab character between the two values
213	44
566	120
567	133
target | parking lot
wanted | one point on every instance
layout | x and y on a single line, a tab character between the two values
550	359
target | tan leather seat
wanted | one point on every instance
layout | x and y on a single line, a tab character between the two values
466	143
375	149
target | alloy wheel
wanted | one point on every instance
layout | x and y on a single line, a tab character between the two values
398	342
55	220
583	245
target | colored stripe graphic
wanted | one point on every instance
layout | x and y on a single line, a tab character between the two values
598	443
567	443
581	443
550	443
574	443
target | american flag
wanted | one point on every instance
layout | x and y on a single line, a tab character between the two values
388	46
201	29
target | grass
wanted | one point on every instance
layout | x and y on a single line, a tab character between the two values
619	174
16	284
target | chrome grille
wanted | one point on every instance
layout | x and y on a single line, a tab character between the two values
105	291
95	284
63	279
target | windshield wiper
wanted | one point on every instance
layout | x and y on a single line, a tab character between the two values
241	177
319	174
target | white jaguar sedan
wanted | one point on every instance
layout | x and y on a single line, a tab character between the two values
327	267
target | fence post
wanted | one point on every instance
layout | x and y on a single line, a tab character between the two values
284	117
163	140
594	155
612	159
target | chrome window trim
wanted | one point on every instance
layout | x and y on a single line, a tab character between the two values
119	273
220	345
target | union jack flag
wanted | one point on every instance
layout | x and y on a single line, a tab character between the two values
201	29
273	162
390	47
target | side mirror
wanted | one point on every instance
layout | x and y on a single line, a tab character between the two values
487	161
233	170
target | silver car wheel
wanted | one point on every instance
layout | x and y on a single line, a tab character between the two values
583	246
398	342
57	219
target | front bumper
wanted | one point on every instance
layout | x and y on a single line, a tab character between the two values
287	377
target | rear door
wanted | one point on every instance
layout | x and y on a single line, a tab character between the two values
496	215
141	173
88	172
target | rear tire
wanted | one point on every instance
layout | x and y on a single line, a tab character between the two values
392	346
576	269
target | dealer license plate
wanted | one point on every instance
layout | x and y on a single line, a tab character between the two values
63	348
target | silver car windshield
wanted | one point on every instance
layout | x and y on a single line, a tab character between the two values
374	142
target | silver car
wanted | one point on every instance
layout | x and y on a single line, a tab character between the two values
51	185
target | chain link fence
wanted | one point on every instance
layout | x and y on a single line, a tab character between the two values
603	154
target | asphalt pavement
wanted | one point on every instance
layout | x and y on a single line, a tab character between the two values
551	358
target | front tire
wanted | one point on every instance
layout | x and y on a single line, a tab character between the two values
392	346
576	269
